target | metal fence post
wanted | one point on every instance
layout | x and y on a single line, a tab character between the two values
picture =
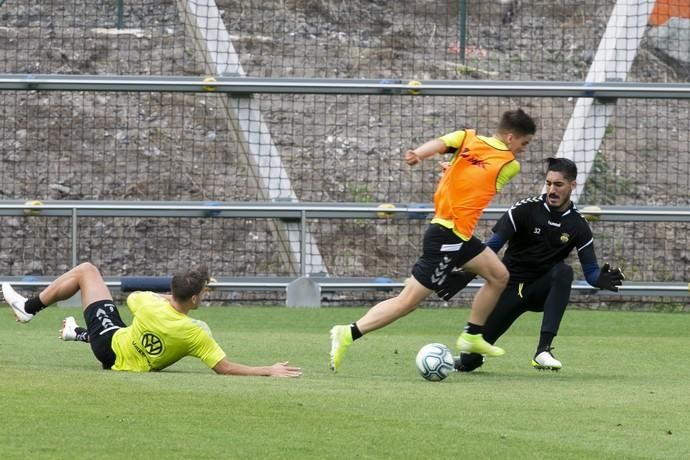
74	237
303	243
120	14
462	29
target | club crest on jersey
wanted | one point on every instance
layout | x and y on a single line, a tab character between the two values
565	238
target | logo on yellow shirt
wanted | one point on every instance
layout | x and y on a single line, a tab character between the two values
152	344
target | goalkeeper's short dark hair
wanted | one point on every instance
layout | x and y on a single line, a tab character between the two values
562	165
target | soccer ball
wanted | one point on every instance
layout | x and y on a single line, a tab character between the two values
434	362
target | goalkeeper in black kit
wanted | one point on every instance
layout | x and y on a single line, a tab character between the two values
540	232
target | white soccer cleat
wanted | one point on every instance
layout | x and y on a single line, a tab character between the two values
16	303
68	331
546	360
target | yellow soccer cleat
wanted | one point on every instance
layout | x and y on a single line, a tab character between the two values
341	338
475	343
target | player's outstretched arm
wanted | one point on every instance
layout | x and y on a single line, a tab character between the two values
426	150
281	369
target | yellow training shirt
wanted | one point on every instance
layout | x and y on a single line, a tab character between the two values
160	336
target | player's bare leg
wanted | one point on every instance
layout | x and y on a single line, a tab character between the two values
84	278
488	266
380	315
384	313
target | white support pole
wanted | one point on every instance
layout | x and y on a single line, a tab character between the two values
212	43
617	50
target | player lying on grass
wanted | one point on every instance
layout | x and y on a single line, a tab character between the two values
541	232
480	167
161	332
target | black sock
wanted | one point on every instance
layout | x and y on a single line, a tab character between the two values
82	335
473	329
545	340
354	330
34	305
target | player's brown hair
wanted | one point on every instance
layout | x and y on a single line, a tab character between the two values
517	122
186	284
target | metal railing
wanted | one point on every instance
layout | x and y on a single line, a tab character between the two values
302	212
247	85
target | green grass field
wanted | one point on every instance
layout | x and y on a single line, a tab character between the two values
623	393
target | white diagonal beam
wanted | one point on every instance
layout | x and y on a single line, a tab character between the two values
617	50
212	42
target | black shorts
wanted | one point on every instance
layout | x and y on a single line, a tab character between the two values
443	251
102	320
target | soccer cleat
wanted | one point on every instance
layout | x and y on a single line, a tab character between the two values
475	343
467	362
16	303
341	338
546	360
68	331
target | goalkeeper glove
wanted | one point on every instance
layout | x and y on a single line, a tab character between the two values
610	279
456	282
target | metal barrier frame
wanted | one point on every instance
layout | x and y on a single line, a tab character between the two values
302	212
248	86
